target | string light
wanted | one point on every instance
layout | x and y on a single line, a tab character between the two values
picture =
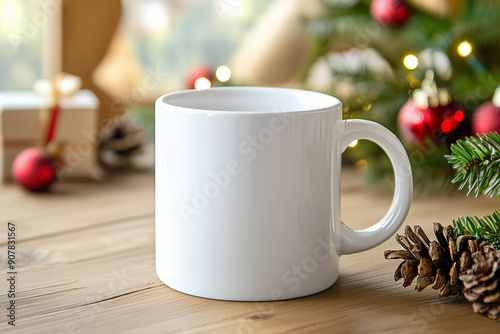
459	116
202	83
354	143
223	73
410	62
464	49
446	126
452	121
361	164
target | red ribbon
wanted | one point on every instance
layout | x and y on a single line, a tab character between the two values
53	123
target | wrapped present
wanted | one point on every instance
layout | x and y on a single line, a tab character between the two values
25	120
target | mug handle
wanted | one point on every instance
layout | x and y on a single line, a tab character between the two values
353	241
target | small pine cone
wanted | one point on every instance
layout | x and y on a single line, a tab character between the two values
437	263
121	141
482	282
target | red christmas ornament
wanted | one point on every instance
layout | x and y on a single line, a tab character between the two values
438	123
486	118
34	169
387	12
199	71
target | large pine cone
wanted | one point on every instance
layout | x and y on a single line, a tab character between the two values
482	282
434	262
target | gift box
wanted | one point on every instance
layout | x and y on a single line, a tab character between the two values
23	124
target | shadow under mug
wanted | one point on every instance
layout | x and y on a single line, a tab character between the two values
248	191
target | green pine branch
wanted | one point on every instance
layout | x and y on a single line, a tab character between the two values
486	228
477	164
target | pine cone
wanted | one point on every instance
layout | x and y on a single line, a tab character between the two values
437	263
121	141
482	282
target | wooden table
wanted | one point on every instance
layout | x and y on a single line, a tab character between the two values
85	264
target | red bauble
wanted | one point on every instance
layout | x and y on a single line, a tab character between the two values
486	119
34	169
196	72
387	12
437	123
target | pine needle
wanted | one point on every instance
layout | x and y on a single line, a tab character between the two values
486	228
477	164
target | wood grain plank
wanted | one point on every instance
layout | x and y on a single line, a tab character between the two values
76	205
90	269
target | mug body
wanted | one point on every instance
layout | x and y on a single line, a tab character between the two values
247	192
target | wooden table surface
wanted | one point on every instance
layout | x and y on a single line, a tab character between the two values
85	264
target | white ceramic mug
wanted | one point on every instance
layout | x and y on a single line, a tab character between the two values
248	191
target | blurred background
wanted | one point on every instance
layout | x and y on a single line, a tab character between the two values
426	69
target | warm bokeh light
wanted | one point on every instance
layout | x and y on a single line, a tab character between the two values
153	16
459	116
361	164
223	73
11	14
202	83
410	62
446	126
354	143
464	49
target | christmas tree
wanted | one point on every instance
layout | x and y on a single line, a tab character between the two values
428	76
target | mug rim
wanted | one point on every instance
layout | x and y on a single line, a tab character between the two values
329	102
